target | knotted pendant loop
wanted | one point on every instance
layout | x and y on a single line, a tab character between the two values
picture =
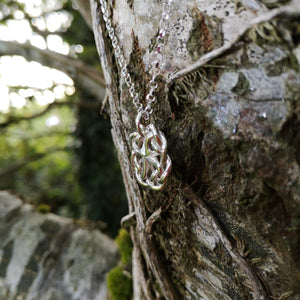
149	157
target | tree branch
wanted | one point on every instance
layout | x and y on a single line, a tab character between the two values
85	11
25	161
89	105
84	76
292	10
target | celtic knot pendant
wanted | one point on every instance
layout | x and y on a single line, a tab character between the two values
149	157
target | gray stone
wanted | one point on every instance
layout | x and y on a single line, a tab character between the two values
47	257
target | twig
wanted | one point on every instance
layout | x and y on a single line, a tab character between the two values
128	220
292	10
152	219
105	100
156	216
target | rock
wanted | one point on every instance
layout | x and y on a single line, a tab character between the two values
47	257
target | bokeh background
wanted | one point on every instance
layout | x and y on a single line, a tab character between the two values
56	150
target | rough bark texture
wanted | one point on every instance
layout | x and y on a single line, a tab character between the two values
226	226
46	257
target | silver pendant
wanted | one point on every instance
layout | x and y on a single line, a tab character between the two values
149	157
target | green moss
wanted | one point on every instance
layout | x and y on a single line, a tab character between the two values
43	208
265	33
124	243
119	285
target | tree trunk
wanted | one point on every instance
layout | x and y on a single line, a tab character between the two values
226	226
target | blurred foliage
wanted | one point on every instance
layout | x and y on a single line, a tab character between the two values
69	168
51	179
80	34
125	246
119	284
43	208
8	8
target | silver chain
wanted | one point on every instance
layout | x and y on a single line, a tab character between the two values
155	70
149	158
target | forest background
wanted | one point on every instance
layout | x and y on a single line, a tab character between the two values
56	149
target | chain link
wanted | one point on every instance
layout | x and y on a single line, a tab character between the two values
155	70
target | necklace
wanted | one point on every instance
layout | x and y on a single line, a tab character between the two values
149	158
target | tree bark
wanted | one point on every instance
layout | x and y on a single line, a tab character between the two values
226	226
